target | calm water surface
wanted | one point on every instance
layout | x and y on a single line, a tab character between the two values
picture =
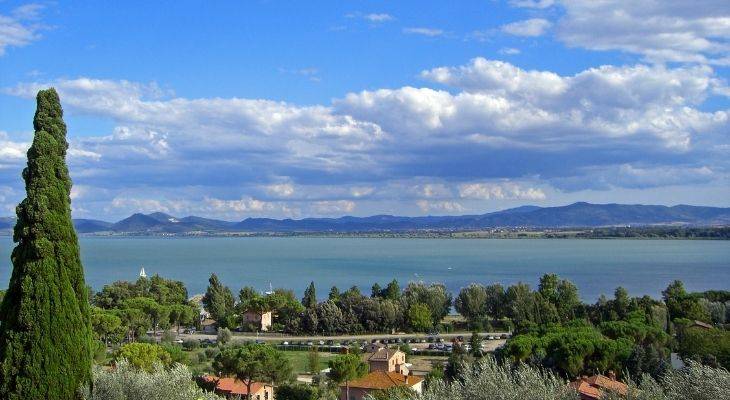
596	266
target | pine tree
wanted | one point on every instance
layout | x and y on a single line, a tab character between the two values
45	326
310	297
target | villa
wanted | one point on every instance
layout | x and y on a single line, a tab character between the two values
387	369
262	320
233	388
594	387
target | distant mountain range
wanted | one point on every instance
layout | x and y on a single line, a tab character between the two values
573	215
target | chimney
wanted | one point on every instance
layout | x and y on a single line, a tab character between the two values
611	375
408	376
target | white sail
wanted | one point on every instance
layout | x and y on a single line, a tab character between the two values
142	274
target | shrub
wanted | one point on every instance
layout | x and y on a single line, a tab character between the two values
143	355
487	379
694	382
211	352
167	337
224	335
125	382
191	344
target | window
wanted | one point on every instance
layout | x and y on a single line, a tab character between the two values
266	395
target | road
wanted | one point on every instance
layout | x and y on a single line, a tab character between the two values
268	337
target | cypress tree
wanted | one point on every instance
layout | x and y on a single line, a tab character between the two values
310	296
45	325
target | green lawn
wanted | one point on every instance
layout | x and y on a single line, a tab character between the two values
300	360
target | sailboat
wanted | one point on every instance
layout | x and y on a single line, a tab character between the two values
142	274
270	291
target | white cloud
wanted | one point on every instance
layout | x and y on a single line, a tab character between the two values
668	30
281	189
497	124
378	17
20	27
431	32
439	206
499	191
538	4
509	51
529	28
336	207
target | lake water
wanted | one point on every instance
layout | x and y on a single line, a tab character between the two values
596	266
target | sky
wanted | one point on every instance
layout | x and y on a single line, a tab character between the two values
291	109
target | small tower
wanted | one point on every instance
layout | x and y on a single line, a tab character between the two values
142	274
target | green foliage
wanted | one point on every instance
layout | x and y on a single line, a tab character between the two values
434	296
107	326
346	367
395	392
45	331
471	303
683	305
476	344
487	379
218	299
297	391
310	296
694	382
313	360
126	382
224	335
419	317
144	355
711	346
572	349
163	291
253	362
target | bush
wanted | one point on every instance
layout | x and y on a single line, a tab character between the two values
146	339
191	344
167	337
143	355
211	352
224	335
694	382
126	382
488	380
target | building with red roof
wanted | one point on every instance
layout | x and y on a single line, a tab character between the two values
233	388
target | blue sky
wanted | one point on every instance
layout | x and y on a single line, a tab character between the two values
294	109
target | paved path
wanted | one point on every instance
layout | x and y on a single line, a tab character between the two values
317	338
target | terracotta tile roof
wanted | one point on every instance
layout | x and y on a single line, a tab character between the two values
383	380
383	354
232	386
594	386
586	391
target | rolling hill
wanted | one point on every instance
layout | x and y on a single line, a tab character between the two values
574	215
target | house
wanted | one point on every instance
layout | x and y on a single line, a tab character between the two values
379	380
233	388
262	320
209	326
388	369
373	347
388	360
593	388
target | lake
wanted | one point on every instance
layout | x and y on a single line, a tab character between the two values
596	266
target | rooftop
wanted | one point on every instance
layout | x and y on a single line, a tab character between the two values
384	380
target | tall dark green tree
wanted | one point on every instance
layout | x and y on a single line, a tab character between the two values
45	327
218	299
310	296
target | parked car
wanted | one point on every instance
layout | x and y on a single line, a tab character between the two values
285	343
